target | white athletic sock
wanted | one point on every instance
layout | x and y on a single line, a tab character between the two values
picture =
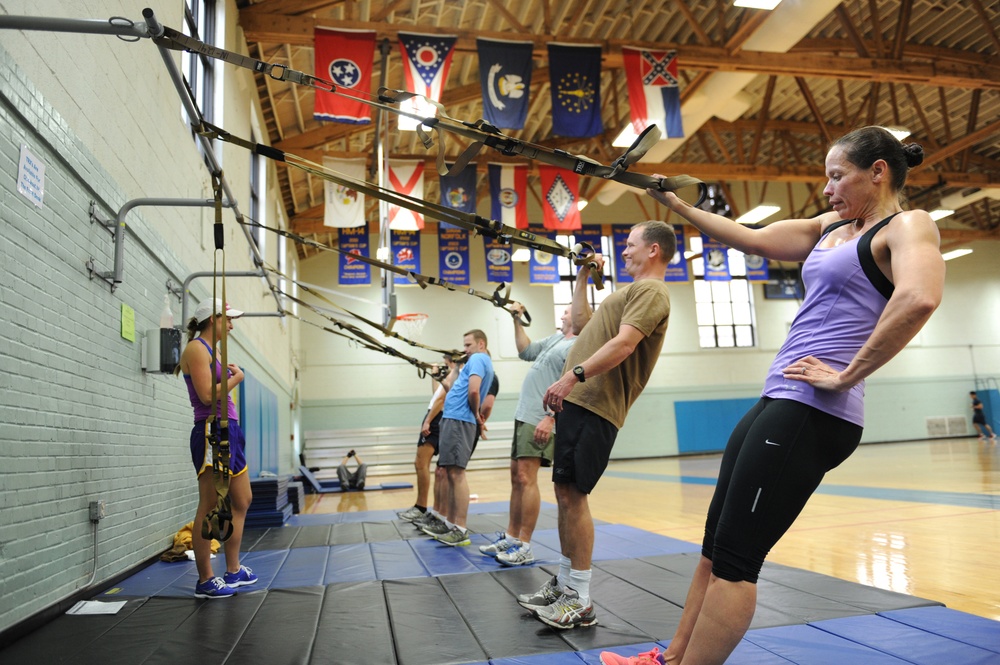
562	579
525	545
580	581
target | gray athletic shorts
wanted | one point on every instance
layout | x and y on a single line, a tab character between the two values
456	442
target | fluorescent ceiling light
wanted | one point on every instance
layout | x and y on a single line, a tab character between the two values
940	214
955	253
521	255
899	132
581	204
757	4
758	214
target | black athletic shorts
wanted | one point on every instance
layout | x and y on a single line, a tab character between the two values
583	447
431	438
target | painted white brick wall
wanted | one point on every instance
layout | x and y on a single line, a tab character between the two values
79	420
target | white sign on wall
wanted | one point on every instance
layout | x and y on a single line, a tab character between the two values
31	177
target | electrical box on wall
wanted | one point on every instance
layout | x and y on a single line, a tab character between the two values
161	350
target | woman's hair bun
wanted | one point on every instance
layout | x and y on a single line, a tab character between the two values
914	154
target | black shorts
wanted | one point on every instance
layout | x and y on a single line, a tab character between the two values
432	438
583	447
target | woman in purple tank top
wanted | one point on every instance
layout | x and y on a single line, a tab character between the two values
874	275
201	368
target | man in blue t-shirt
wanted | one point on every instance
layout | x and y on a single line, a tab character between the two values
459	426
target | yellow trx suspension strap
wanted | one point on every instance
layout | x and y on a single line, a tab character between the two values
218	522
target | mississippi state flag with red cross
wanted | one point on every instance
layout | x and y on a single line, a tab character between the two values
653	91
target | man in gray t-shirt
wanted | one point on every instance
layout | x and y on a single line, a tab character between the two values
533	438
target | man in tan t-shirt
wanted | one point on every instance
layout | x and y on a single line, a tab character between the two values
606	370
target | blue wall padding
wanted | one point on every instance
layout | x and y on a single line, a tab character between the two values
353	626
805	645
904	641
395	560
427	626
350	563
705	425
959	626
282	630
305	566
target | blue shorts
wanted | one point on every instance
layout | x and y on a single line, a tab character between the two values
202	458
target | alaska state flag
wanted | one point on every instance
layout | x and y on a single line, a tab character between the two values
653	92
575	74
560	192
426	61
346	58
505	75
509	194
406	177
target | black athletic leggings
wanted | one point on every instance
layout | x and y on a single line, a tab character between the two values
774	461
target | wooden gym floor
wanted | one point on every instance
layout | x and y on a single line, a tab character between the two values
920	518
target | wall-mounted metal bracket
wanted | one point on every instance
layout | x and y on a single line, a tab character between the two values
178	291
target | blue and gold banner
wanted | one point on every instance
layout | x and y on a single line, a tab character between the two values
405	246
677	269
716	258
756	268
499	267
352	271
619	239
453	251
543	267
575	78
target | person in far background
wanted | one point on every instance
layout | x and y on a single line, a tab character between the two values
201	370
874	275
979	419
352	480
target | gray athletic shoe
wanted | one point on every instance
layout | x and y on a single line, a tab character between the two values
501	544
410	514
567	612
454	538
518	555
548	594
435	527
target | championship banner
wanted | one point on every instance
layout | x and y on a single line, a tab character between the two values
459	191
352	271
653	90
345	57
405	247
406	177
756	268
426	61
716	258
677	269
543	267
619	240
509	194
560	195
575	77
499	267
344	207
453	251
505	76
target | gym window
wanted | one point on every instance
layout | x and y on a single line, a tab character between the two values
724	309
199	71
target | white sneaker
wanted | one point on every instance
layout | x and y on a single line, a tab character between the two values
518	555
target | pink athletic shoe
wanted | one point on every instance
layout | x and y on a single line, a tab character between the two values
649	658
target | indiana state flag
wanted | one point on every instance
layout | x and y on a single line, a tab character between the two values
653	92
426	61
509	194
505	75
561	194
575	73
344	57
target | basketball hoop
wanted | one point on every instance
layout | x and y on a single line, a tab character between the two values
411	326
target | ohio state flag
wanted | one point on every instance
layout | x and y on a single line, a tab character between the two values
560	194
346	58
653	91
426	61
406	177
509	194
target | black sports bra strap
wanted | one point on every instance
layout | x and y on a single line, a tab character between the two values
875	276
835	225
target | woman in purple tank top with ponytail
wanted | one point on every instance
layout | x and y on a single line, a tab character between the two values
874	275
201	368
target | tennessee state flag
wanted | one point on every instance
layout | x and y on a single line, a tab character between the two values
561	194
653	91
509	194
406	177
426	61
345	57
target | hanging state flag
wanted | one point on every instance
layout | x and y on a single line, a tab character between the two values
653	90
453	250
619	240
354	272
756	268
716	258
499	263
344	207
405	247
345	57
543	268
426	61
509	194
406	177
677	269
459	191
560	196
575	76
505	76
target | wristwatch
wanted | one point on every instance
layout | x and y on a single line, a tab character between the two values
578	373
